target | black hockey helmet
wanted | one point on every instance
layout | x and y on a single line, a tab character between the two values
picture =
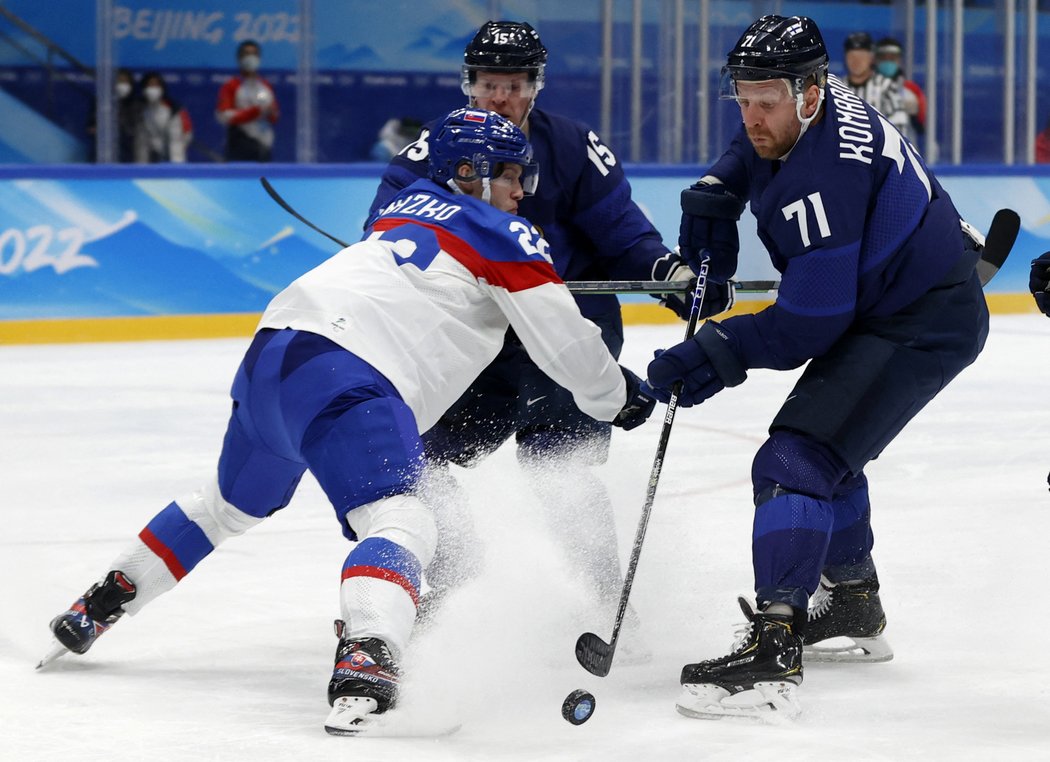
507	47
859	41
777	47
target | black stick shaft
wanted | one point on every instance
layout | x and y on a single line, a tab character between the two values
288	208
658	464
659	286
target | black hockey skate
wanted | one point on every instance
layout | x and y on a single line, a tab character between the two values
90	615
846	621
757	679
363	685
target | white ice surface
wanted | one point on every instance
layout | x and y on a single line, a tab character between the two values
232	665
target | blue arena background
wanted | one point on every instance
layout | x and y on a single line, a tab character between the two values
126	242
374	61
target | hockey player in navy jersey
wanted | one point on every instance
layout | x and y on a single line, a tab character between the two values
584	208
348	366
878	293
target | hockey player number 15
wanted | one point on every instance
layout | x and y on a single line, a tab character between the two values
798	209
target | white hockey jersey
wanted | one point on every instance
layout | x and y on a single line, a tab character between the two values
427	296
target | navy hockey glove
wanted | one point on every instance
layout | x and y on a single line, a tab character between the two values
639	405
1039	282
705	364
718	298
709	215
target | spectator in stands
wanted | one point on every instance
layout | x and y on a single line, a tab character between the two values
163	130
127	104
889	55
880	91
1042	146
394	135
248	108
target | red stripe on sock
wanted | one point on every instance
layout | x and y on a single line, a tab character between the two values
164	553
378	572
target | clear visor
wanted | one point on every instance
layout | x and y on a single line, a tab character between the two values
786	82
530	178
489	84
766	93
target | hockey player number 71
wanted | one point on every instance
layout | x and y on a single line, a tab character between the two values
798	209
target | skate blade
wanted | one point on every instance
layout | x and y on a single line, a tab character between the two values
771	701
355	716
57	652
849	650
351	716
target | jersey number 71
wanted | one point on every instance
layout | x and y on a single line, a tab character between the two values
798	209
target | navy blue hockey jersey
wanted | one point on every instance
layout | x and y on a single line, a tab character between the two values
853	220
582	205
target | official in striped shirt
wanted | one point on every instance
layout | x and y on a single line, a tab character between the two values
880	91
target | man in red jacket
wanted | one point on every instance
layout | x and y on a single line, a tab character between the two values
248	108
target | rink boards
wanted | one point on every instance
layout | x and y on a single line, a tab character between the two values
122	253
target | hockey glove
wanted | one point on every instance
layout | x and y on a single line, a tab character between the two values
718	298
639	406
705	364
709	215
1039	282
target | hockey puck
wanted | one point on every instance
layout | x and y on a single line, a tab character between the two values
578	707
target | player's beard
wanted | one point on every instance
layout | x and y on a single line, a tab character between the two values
770	146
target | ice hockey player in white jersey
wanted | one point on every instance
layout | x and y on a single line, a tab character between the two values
348	366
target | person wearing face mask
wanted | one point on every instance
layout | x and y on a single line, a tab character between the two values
889	54
868	84
880	300
163	130
248	108
127	105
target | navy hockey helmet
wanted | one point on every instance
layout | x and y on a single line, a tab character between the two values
484	140
777	47
859	41
506	47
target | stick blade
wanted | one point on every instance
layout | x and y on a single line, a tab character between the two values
1002	233
594	654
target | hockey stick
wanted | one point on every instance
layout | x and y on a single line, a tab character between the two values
660	286
996	248
288	208
1002	233
1000	240
593	653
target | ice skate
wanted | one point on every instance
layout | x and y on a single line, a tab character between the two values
846	622
90	615
757	679
363	685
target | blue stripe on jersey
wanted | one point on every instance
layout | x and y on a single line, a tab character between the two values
381	553
181	535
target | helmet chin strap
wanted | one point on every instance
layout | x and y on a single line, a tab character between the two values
800	103
486	186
